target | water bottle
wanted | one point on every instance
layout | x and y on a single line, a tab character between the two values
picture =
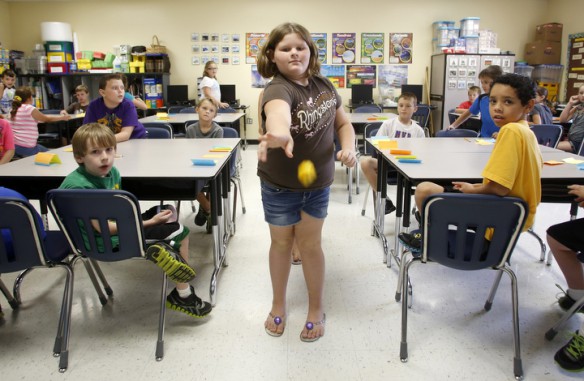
117	65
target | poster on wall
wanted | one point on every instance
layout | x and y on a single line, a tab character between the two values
253	45
389	79
343	48
320	42
335	74
400	48
256	79
361	75
372	48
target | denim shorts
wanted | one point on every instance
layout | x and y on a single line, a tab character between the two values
282	207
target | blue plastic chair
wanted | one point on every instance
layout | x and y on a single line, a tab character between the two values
454	227
76	209
457	133
175	109
422	115
367	109
22	247
547	134
187	110
156	130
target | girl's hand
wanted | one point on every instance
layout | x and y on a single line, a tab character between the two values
162	217
347	157
578	191
269	140
574	100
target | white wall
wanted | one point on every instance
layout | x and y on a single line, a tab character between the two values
100	25
5	32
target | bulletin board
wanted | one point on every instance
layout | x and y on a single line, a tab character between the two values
575	64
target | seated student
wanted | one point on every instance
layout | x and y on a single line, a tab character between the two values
401	127
514	167
7	83
82	96
541	113
204	128
139	103
567	244
574	111
113	111
24	118
94	149
6	141
481	104
473	94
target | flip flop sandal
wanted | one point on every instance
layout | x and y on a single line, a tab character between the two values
296	261
277	320
309	327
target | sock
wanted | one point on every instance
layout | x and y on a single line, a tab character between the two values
575	294
185	293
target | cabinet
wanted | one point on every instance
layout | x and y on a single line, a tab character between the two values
57	91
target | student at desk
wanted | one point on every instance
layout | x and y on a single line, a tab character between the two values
481	104
574	110
114	111
82	96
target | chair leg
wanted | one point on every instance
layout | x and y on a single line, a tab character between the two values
357	177
350	184
517	365
234	208
551	333
161	321
494	287
11	300
16	288
97	269
403	349
61	347
541	244
365	201
94	281
243	210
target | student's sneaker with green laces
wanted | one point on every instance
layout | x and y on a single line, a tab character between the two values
412	241
192	305
566	301
175	267
571	356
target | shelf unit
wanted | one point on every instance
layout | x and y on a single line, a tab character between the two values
58	89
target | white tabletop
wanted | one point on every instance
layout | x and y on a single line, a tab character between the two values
182	118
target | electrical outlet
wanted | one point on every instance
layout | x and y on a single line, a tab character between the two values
249	121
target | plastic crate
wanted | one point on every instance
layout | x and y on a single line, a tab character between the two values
525	70
552	88
548	73
59	46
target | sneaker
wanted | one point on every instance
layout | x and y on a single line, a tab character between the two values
571	356
566	302
412	241
389	207
201	217
172	264
192	306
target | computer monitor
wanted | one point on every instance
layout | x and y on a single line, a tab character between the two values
417	90
361	94
177	94
228	94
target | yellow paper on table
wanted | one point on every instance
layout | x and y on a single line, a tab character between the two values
220	149
406	157
571	160
484	142
162	115
387	144
45	158
68	149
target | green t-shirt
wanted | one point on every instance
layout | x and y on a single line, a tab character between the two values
81	179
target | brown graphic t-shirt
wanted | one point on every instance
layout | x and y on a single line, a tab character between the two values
313	110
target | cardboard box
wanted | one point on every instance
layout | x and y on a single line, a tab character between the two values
543	52
549	32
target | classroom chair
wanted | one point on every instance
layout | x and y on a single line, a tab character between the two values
76	209
155	130
581	149
175	109
26	251
187	110
234	167
368	109
422	115
456	133
547	134
454	227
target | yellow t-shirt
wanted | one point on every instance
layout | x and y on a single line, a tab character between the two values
516	164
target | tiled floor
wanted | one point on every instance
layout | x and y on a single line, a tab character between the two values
450	336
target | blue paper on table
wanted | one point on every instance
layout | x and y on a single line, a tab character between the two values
580	167
409	160
205	162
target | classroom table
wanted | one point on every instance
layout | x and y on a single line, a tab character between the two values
178	120
448	159
151	169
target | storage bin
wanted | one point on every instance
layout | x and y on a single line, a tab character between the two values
59	57
469	26
471	44
58	67
548	73
525	70
437	25
59	46
442	36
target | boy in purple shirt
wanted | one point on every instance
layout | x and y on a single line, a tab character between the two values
113	111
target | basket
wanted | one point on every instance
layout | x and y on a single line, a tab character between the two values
155	46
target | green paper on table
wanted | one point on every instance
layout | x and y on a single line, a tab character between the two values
406	157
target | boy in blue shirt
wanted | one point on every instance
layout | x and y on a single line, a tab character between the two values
94	149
